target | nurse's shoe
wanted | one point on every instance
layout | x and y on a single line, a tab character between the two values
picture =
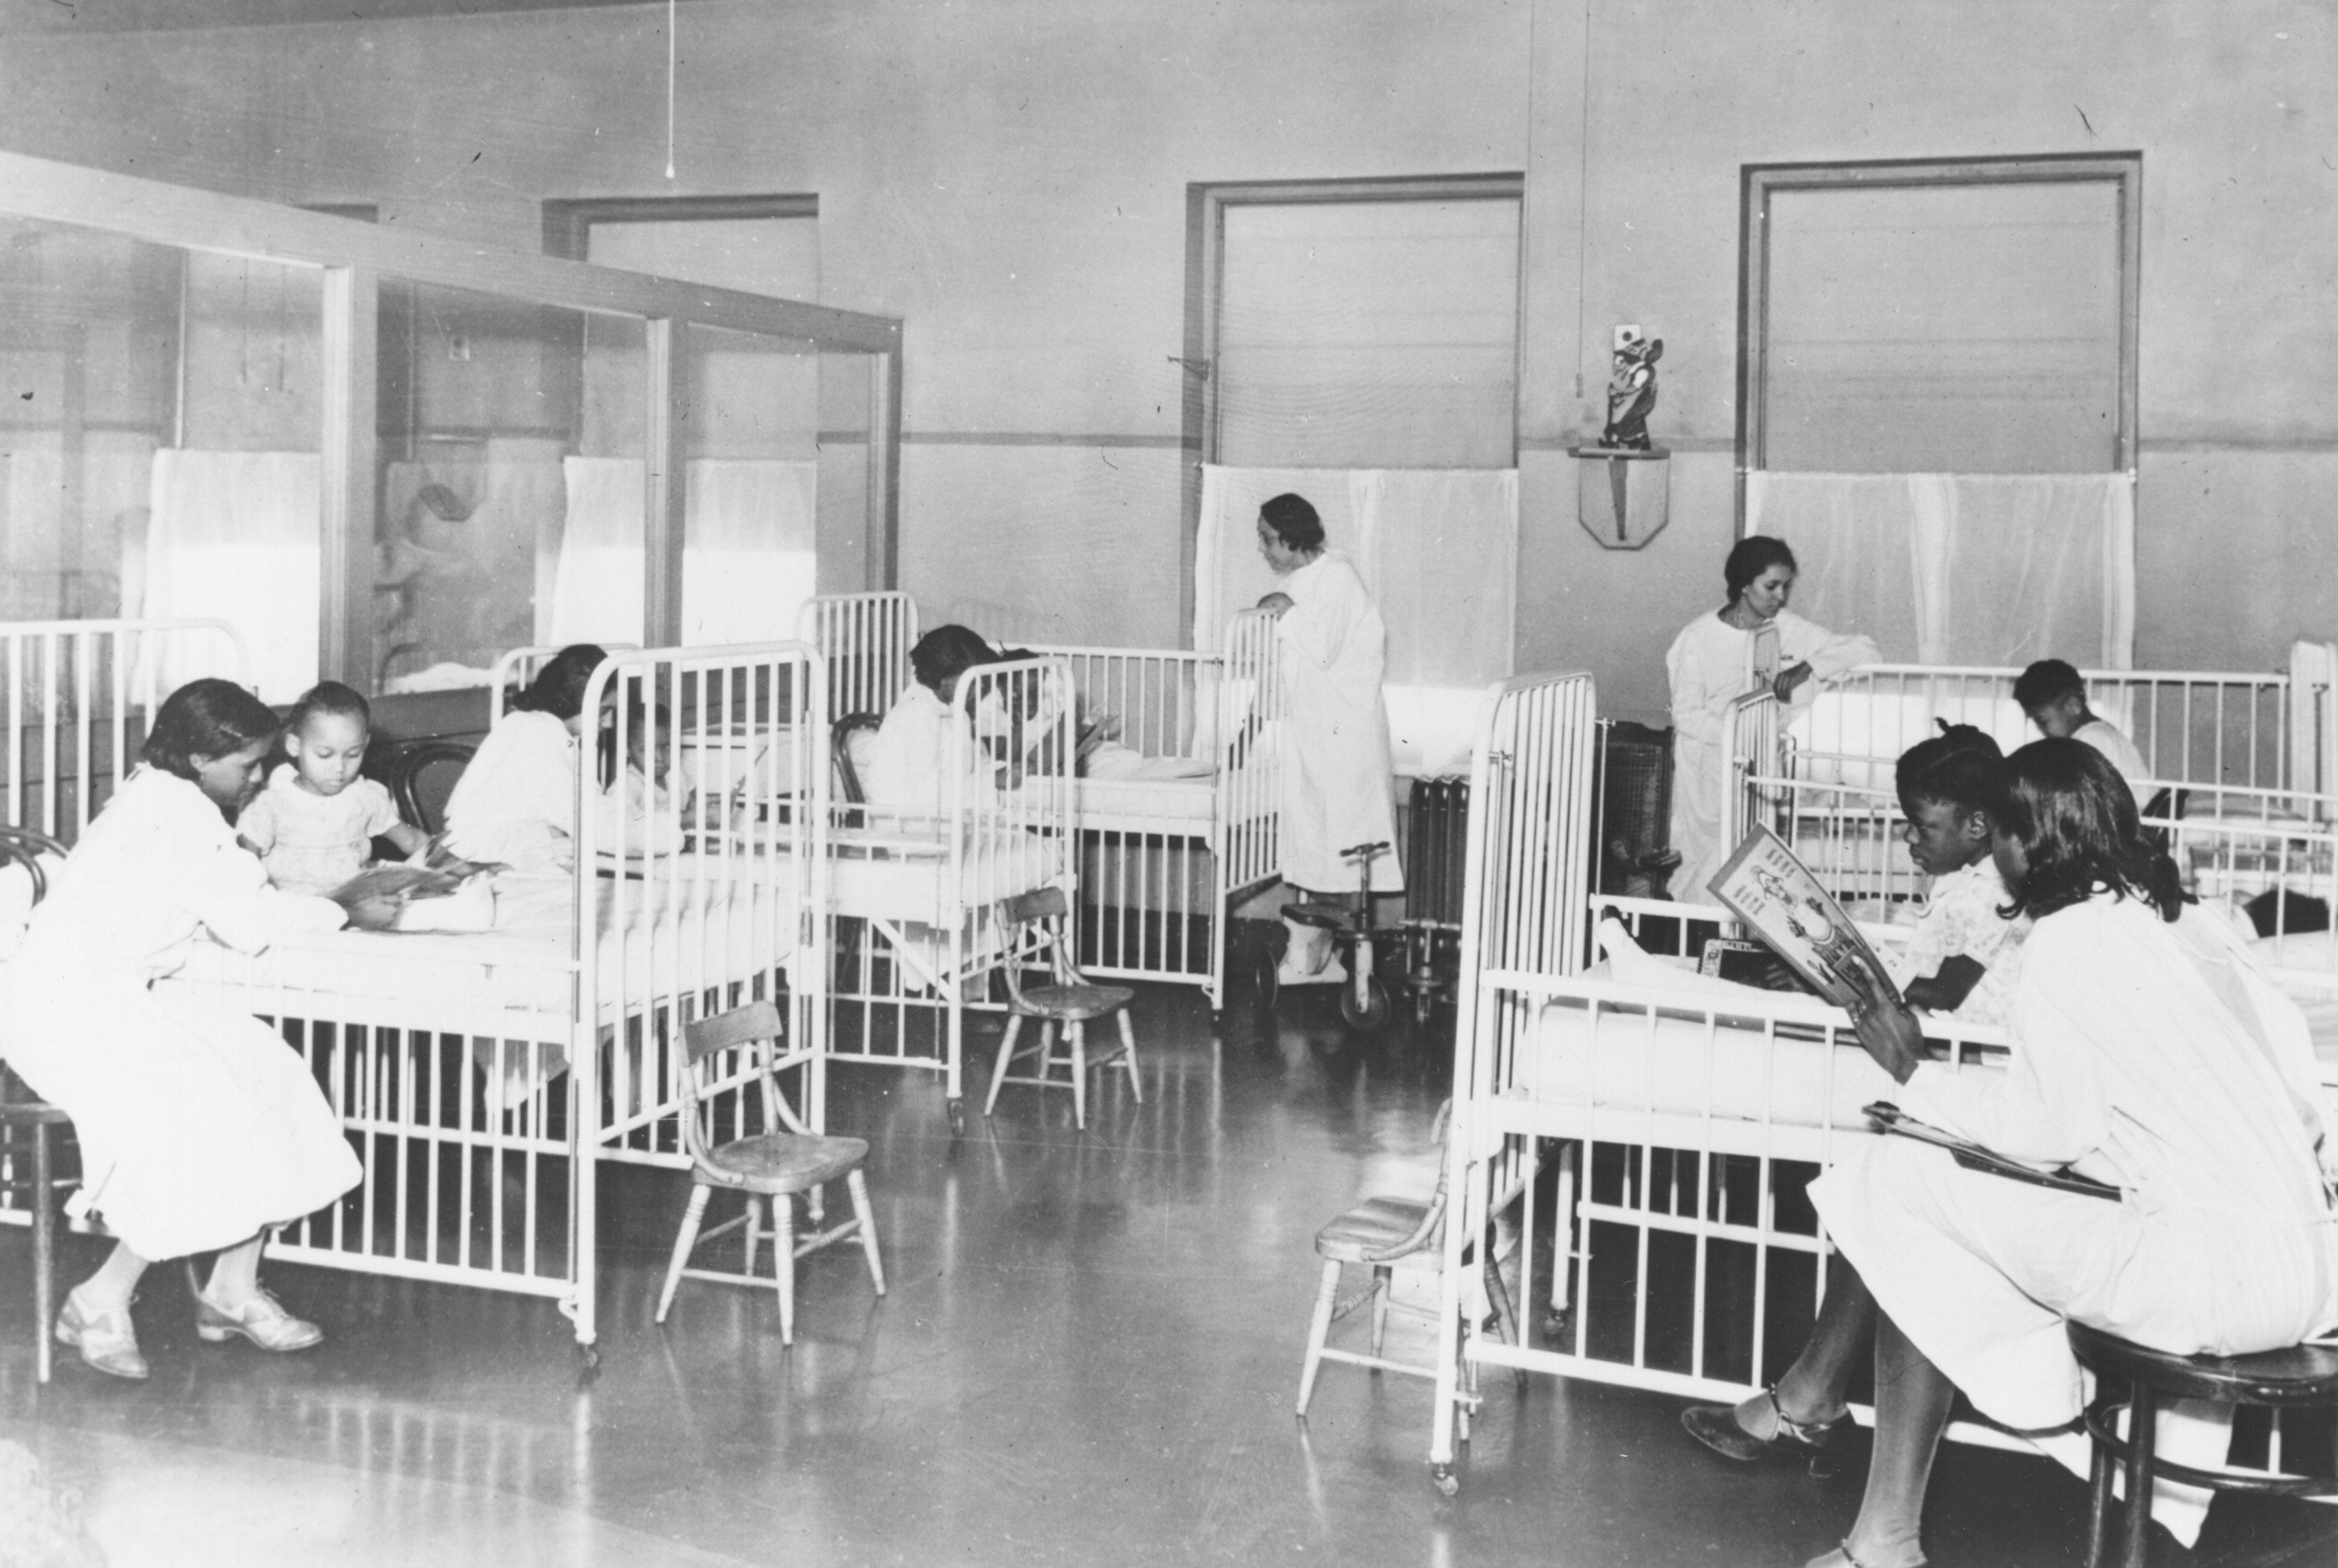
107	1340
262	1320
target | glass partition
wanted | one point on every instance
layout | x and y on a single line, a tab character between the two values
388	457
511	454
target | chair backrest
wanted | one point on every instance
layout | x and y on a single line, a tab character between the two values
1040	904
418	805
851	736
28	859
756	1025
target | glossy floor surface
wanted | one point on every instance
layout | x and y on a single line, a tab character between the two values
1088	1356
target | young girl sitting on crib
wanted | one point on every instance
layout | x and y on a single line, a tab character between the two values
314	826
637	814
516	800
1961	958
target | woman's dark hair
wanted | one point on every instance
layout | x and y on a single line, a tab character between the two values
558	687
208	719
1292	518
2048	681
2075	820
1750	557
1960	767
946	652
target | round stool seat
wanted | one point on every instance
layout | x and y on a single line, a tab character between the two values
1323	916
2297	1375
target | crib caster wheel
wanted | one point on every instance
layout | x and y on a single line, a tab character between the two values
1441	1476
1424	1003
958	1118
1556	1327
1270	982
1372	1015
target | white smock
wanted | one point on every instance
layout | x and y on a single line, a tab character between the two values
909	761
1709	665
1338	779
2122	754
517	800
198	1125
2155	1058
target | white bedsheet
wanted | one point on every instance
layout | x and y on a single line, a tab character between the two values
655	937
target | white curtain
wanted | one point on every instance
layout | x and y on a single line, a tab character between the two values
233	535
747	551
1438	549
1962	568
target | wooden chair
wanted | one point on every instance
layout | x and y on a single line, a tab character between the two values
1388	1235
416	806
1071	1002
25	1117
774	1165
848	738
2301	1377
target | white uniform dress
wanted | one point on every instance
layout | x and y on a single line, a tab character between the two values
1338	779
198	1125
909	761
1708	663
517	800
2149	1055
2107	739
1960	920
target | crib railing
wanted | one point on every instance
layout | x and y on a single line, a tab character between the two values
865	639
77	696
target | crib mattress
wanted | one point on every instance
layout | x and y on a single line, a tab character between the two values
1649	1062
1185	806
656	938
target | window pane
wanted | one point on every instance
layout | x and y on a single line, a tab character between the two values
752	499
511	483
1959	328
1368	333
775	256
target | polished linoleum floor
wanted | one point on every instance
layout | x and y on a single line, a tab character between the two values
1089	1356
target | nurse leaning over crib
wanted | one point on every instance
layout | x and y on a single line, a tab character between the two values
1752	640
198	1126
1338	777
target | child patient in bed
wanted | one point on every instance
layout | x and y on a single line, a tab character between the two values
1962	956
314	824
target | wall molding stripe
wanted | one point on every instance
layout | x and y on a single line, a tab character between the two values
1041	438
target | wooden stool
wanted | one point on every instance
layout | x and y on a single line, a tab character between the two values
2301	1375
20	1108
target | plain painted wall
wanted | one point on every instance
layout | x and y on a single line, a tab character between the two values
1009	177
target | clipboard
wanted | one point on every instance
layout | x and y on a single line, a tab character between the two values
1972	1156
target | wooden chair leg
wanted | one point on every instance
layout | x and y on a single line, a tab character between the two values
857	1185
682	1243
1128	1056
1327	1297
1077	1034
754	1234
783	1259
2142	1429
1383	1279
1005	1055
2100	1469
45	1251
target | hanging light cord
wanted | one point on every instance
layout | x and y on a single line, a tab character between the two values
670	60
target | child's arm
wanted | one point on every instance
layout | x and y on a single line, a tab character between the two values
1945	990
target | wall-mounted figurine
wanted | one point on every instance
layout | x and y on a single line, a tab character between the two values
1632	390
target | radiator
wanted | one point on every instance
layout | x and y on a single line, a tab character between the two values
1436	845
1635	796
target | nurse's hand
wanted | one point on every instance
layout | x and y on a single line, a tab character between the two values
1886	1027
378	913
1791	678
1276	604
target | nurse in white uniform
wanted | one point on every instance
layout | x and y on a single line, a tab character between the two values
198	1126
1749	642
516	803
1338	779
2147	1053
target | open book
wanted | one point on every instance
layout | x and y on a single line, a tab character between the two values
1975	1157
402	881
1775	895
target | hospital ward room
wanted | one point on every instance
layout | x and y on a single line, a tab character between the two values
837	782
